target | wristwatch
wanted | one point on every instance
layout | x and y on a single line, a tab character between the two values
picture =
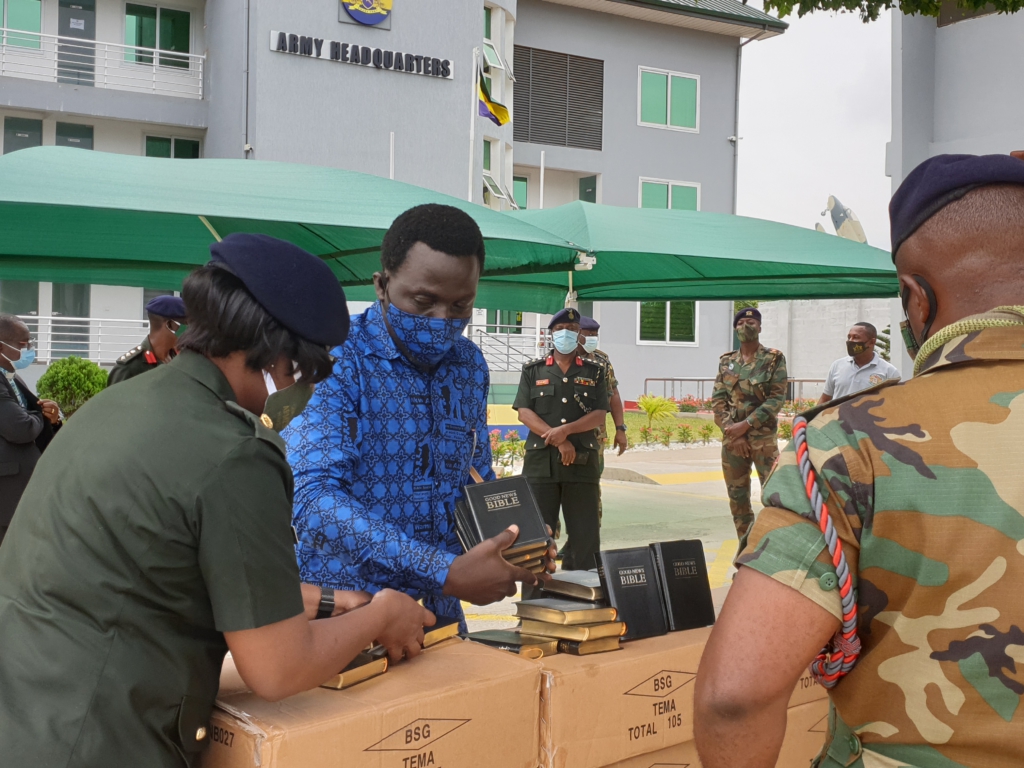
326	607
620	427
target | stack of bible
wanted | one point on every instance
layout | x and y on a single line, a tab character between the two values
489	508
374	660
581	628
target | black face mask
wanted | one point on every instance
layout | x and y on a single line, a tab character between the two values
854	348
913	346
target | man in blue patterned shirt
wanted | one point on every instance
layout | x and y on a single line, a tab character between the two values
382	451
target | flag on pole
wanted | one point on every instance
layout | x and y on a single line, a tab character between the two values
495	112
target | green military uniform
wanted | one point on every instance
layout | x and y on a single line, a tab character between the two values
561	398
158	521
924	487
137	360
754	391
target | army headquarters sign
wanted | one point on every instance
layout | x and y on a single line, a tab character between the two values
361	55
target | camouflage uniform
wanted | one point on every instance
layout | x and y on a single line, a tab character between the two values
754	391
925	489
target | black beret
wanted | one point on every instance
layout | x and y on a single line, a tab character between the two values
295	287
747	312
166	306
589	324
567	315
940	180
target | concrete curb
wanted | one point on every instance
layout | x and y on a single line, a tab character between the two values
626	475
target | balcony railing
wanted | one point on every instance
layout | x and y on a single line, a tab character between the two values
99	340
507	347
53	59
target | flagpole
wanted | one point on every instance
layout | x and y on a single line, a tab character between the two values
473	81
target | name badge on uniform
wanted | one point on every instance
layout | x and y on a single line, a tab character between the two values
731	366
541	382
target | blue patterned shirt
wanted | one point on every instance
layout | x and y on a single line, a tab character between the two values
380	456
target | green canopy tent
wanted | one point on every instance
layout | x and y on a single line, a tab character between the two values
73	216
657	255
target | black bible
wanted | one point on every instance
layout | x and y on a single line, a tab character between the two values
683	575
493	506
631	586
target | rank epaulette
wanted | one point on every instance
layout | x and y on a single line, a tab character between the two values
130	354
535	361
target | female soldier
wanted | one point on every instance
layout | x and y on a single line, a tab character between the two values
155	534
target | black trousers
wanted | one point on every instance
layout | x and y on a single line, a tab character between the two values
579	503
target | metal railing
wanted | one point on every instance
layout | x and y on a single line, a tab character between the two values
100	340
701	388
54	59
508	347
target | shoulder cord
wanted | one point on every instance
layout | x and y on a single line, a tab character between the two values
840	655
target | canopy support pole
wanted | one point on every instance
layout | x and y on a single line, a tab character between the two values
540	197
472	124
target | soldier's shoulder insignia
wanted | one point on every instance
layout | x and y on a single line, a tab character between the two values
130	354
261	425
726	354
774	351
531	363
811	413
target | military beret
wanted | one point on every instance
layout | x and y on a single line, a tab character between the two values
295	287
567	315
166	306
747	312
939	181
589	324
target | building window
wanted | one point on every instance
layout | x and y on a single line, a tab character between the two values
22	133
23	16
487	154
668	100
487	23
667	322
19	297
74	135
166	29
674	195
162	146
520	191
559	99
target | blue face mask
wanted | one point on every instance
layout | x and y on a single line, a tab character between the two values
590	344
426	340
565	341
28	356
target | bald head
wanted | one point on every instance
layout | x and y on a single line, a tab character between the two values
12	328
971	254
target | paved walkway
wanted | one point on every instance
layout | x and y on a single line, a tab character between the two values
683	498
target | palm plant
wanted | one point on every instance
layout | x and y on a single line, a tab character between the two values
656	408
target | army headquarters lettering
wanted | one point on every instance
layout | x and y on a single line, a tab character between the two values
362	55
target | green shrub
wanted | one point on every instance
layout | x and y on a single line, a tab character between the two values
707	432
786	430
665	436
656	408
686	434
71	382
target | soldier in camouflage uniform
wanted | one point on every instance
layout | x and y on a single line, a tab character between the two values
749	391
923	483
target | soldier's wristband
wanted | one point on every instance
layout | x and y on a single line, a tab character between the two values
620	427
326	607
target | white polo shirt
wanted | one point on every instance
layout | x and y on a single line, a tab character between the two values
845	377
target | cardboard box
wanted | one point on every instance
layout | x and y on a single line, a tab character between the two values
597	710
805	736
807	690
459	705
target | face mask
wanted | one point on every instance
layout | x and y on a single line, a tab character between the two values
747	333
854	348
424	341
590	343
28	356
565	341
283	405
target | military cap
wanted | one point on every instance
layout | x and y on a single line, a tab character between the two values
567	315
746	312
166	306
589	324
295	287
939	181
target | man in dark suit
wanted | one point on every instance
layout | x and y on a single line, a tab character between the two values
27	423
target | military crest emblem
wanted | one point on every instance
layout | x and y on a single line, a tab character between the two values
368	12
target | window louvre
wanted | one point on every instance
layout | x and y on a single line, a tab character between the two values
559	99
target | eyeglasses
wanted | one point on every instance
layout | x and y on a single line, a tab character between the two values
20	345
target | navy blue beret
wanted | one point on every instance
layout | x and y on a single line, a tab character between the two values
589	324
747	312
567	315
295	287
940	180
166	306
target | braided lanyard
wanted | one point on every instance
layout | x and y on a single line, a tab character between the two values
839	656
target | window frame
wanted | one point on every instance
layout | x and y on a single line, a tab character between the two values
671	183
668	320
668	96
173	139
159	6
